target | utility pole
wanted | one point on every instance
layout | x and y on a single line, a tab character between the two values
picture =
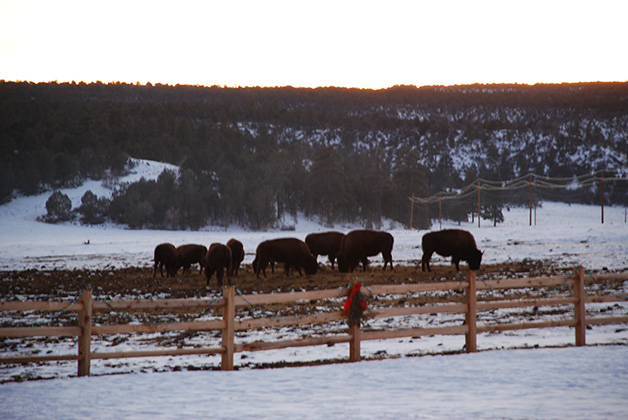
602	198
530	200
478	203
440	213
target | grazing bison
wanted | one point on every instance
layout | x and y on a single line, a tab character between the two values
455	243
357	245
166	256
191	254
292	252
326	243
217	260
237	255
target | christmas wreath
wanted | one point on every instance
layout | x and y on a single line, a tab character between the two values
356	304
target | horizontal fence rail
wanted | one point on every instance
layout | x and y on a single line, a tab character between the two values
85	307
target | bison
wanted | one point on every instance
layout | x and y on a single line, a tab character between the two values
237	255
357	245
292	252
326	243
217	260
455	243
166	256
191	254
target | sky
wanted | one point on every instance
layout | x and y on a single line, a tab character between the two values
365	44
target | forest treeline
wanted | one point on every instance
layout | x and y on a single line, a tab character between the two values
252	156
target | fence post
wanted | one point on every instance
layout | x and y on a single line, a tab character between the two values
354	344
471	318
228	315
85	339
579	310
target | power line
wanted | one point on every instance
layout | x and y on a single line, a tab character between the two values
528	181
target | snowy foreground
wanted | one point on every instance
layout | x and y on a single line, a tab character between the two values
570	383
542	383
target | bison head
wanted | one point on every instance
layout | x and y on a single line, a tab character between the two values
310	265
343	264
475	259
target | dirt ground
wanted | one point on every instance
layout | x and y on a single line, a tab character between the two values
138	283
134	282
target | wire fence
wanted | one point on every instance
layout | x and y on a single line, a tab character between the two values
486	197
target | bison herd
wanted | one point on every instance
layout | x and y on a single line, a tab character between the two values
218	258
347	251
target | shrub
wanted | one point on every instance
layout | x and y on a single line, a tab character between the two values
93	209
59	207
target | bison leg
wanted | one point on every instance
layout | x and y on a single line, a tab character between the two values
262	267
208	275
259	266
456	261
171	270
425	261
331	260
387	260
219	275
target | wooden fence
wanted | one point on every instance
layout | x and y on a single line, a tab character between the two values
228	324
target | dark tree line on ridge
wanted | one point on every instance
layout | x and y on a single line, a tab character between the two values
252	156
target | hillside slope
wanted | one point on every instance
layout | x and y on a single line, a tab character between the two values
251	156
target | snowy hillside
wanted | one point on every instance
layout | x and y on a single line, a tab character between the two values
253	156
564	235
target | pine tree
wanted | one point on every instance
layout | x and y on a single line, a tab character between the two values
409	179
327	189
59	207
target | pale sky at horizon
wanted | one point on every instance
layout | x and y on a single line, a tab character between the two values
364	44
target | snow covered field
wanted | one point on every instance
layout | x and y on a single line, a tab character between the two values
564	234
587	383
571	383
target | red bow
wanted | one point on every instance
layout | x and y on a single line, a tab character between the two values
356	287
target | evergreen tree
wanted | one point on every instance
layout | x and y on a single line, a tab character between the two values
59	208
92	209
409	180
494	213
327	187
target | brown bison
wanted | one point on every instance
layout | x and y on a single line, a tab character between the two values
237	255
292	252
191	254
455	243
217	260
326	243
166	256
357	245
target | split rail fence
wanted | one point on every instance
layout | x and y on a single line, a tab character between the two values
86	306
